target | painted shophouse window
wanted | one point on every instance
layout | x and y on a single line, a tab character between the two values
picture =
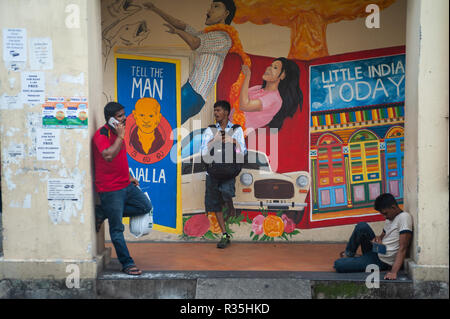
365	168
394	161
331	172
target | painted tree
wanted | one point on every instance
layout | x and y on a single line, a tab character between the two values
307	19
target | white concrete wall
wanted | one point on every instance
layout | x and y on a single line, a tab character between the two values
426	136
38	242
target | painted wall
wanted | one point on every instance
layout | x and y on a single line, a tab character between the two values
129	28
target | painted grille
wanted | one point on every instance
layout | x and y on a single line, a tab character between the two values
274	188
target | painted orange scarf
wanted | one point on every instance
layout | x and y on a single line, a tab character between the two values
238	116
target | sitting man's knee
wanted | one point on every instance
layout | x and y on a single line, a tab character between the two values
339	265
362	225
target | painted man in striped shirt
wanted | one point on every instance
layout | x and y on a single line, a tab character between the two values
211	49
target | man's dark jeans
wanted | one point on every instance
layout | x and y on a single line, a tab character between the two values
362	235
127	202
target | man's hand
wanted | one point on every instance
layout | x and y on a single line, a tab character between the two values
377	239
134	181
228	139
391	276
149	5
120	130
171	28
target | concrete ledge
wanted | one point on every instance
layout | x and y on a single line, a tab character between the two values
359	290
48	269
258	288
427	272
225	285
46	289
52	269
250	285
146	289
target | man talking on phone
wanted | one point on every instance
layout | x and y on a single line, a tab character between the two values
119	193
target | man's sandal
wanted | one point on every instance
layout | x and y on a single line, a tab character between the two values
132	271
344	255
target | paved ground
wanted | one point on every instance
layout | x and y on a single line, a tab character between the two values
245	256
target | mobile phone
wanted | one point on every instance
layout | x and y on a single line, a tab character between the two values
379	248
113	122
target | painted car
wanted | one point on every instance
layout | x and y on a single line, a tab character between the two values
257	186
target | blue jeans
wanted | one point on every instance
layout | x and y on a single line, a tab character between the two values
127	202
362	236
191	102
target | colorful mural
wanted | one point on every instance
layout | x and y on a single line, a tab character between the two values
321	161
308	20
149	90
356	134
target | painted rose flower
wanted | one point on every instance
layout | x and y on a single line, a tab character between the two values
257	225
289	225
197	225
273	226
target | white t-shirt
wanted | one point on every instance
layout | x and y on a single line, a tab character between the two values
402	223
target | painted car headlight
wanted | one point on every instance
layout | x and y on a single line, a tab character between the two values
246	179
302	181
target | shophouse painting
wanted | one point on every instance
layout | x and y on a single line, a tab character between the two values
356	134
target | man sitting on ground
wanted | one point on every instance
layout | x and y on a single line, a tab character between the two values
396	236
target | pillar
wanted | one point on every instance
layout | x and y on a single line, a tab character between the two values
426	137
45	233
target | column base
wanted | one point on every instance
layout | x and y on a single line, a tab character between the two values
27	269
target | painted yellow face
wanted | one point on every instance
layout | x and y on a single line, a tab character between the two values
147	114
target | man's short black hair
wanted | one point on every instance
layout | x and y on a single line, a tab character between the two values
111	109
231	7
385	200
224	105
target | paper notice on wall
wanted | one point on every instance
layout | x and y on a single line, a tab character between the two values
11	102
48	147
14	154
41	54
33	87
61	112
62	189
15	48
14	45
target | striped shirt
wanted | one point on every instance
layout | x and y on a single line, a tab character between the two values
208	61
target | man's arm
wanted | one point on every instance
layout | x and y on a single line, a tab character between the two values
239	140
175	26
405	239
111	152
191	40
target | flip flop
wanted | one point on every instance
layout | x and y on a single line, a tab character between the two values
343	255
132	271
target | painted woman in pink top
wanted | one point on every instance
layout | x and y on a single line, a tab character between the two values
278	97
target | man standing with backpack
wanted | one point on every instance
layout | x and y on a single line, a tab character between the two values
223	148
